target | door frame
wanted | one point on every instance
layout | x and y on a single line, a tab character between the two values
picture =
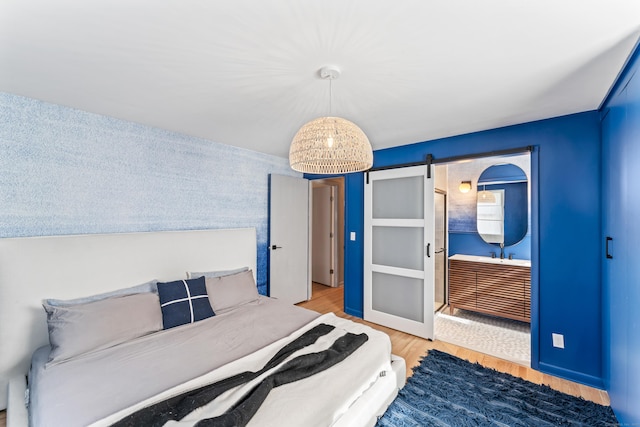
339	181
333	227
533	189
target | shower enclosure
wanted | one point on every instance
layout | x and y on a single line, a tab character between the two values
440	252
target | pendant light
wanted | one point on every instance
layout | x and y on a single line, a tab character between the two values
485	196
330	145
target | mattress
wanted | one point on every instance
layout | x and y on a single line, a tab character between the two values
89	388
365	379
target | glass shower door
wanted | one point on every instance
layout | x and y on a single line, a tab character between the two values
399	258
440	253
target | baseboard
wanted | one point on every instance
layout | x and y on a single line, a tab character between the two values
570	375
354	313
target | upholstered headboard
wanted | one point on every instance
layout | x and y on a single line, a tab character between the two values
35	268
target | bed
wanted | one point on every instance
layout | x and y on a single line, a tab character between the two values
236	354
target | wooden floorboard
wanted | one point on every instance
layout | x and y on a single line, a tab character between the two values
412	349
3	418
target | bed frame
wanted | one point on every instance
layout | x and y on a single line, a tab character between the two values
65	267
35	268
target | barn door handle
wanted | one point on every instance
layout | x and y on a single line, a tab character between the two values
274	247
609	239
428	250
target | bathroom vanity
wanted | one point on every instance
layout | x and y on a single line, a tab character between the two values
500	287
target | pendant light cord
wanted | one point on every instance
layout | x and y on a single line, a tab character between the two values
330	96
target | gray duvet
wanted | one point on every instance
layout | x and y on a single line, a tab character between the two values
90	387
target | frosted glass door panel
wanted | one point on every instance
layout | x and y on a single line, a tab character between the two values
398	269
399	198
398	247
399	296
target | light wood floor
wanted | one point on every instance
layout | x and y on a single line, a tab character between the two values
412	348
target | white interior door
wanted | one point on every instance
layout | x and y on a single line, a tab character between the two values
324	245
399	250
289	275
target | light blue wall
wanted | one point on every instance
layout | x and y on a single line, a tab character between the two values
65	171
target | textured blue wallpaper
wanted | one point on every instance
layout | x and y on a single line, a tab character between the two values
66	171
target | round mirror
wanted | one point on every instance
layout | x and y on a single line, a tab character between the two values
502	208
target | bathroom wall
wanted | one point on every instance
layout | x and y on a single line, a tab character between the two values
65	171
463	234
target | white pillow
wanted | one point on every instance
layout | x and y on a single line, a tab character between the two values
220	273
150	286
230	291
81	328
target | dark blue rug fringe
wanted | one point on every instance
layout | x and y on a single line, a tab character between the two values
447	391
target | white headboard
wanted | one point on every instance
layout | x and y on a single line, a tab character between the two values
35	268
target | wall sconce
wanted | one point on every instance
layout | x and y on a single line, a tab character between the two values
465	186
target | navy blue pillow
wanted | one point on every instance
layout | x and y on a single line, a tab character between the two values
184	301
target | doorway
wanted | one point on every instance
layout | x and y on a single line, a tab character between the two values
327	232
504	337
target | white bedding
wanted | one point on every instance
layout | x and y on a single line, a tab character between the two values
88	390
319	400
90	387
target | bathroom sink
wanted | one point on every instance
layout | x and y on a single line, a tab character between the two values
487	259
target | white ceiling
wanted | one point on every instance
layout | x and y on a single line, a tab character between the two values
244	72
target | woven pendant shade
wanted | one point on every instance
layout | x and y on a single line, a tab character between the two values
485	196
330	145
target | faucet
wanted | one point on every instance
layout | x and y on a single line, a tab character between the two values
502	250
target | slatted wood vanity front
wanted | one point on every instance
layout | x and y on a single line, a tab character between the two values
491	286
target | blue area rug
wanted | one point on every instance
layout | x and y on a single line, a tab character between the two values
447	391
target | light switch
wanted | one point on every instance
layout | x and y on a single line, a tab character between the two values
353	236
558	340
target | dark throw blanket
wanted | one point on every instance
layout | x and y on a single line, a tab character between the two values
241	413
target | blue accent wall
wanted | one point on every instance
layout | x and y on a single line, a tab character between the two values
621	273
65	171
506	172
516	211
565	233
354	250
